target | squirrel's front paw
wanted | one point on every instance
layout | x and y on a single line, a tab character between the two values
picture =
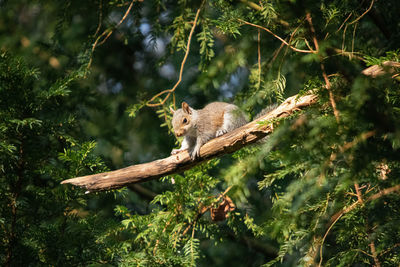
175	151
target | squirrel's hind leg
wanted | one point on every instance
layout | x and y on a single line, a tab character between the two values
229	123
220	132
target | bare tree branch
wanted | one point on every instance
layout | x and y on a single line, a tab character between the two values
225	144
387	67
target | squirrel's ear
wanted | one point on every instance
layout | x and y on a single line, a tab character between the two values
186	108
172	110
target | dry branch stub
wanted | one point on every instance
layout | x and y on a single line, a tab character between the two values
227	143
388	67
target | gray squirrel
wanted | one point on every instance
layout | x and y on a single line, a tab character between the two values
199	126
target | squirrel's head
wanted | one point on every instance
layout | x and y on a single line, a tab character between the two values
182	119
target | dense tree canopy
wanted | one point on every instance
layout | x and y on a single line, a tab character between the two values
86	87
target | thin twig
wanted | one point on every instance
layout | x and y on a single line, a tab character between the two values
360	201
374	254
259	57
362	137
170	91
308	44
193	229
107	32
277	37
380	194
119	23
372	244
341	26
362	251
344	148
344	36
327	82
100	17
389	249
158	240
350	55
363	14
359	194
277	51
323	239
275	55
293	33
176	234
205	209
354	36
384	192
290	41
260	8
369	189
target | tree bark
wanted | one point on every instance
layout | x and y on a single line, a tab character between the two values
227	143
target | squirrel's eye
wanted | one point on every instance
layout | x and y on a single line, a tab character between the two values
184	120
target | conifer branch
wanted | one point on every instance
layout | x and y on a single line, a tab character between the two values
327	82
151	103
107	33
380	194
363	14
374	254
204	209
277	37
360	201
224	144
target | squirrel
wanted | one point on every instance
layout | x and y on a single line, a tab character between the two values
199	126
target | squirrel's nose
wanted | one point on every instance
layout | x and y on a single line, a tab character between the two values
179	134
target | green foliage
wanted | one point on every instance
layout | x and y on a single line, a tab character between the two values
389	56
165	236
332	160
181	27
206	40
134	109
41	222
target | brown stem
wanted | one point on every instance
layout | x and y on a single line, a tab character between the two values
344	22
107	33
14	209
158	240
374	254
323	239
361	201
276	36
380	22
327	82
260	8
372	244
359	195
363	14
204	210
170	91
380	194
259	57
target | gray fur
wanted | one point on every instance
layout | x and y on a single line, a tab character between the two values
213	120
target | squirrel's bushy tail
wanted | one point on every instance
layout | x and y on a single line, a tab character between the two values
265	111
